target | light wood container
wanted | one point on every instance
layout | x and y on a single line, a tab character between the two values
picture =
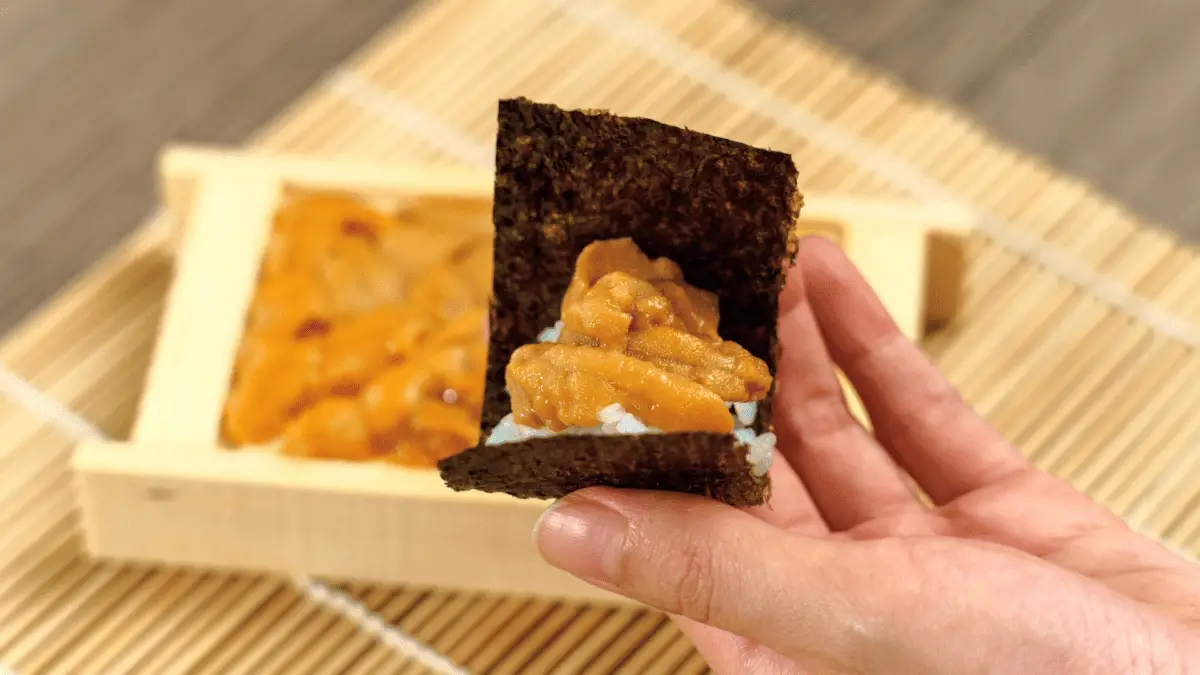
171	494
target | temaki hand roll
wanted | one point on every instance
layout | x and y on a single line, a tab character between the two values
638	269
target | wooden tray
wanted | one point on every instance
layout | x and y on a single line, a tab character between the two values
170	494
1076	334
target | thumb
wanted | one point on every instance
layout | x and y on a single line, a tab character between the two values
708	562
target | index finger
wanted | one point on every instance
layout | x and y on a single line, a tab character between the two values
915	411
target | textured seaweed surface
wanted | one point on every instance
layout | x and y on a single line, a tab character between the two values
724	211
548	468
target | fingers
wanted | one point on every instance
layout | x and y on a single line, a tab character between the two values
848	476
729	654
715	565
1033	512
915	411
898	605
791	507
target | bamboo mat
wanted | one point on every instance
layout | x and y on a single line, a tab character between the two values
1078	337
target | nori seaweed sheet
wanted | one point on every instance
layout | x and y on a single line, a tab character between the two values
724	211
549	468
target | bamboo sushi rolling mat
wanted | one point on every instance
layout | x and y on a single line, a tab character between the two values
1078	337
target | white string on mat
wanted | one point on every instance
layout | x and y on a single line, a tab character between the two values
747	93
374	624
405	116
47	408
72	424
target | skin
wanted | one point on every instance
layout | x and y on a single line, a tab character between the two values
1009	570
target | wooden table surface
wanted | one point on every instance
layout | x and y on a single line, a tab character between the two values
92	88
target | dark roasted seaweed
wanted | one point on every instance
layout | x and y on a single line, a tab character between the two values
724	211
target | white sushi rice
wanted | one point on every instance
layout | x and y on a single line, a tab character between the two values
551	334
745	412
614	419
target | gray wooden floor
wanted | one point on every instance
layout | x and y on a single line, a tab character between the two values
89	89
1105	89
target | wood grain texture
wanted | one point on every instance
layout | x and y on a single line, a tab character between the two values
259	512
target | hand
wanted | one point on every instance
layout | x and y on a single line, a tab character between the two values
1010	570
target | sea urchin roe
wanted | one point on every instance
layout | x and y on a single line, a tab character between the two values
633	333
365	338
397	393
360	281
557	386
726	368
357	349
333	428
455	427
287	303
432	401
617	304
601	258
446	295
275	380
309	227
616	289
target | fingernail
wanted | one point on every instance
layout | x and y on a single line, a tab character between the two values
581	536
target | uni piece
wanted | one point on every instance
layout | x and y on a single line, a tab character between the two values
353	351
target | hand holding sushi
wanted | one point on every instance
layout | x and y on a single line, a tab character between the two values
654	366
1010	570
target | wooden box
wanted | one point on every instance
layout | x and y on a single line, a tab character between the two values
171	494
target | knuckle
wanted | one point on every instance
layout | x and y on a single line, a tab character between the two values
691	582
935	403
819	416
928	392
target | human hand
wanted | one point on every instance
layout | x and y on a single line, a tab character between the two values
846	571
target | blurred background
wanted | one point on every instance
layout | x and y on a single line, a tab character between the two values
1105	89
